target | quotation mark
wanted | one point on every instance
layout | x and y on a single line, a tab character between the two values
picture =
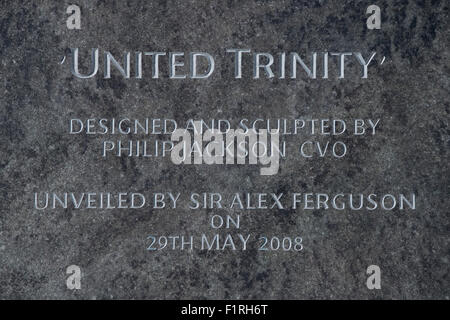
73	22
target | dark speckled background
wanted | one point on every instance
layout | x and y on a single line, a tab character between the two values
409	93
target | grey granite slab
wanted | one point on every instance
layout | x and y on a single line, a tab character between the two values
409	153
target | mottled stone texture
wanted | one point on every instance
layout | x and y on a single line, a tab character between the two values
409	93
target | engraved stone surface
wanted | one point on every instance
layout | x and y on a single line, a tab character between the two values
409	93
